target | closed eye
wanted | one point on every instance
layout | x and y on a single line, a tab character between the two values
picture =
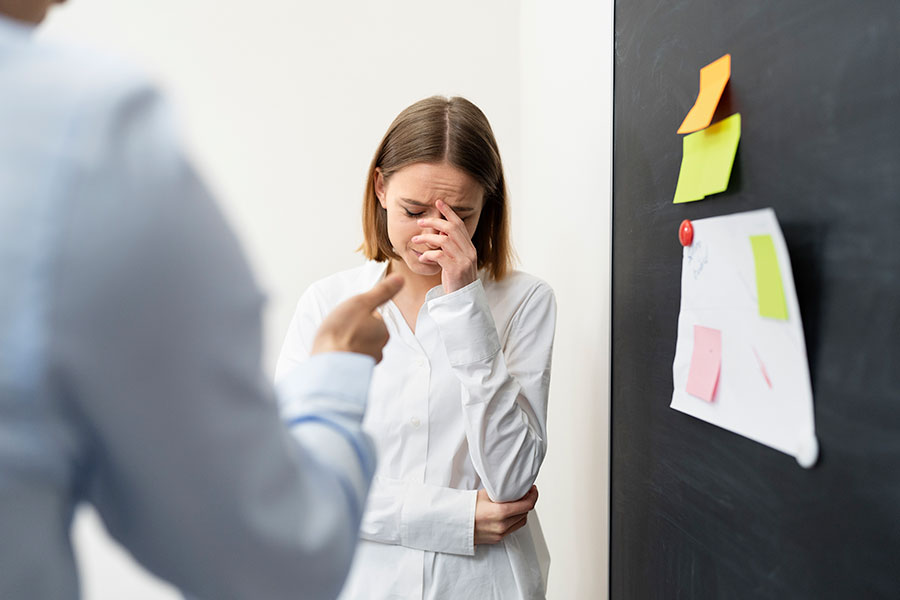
414	214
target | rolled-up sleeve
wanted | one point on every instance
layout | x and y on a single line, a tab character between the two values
504	385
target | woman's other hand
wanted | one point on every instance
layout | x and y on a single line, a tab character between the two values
453	248
496	520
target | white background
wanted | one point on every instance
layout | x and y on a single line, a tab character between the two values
283	104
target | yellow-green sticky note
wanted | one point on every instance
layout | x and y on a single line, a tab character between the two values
769	288
707	158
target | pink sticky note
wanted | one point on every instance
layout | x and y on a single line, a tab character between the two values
706	361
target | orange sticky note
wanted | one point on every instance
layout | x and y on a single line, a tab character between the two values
706	361
713	78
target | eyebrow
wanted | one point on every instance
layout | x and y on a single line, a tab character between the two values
457	209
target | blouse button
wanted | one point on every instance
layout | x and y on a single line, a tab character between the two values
415	422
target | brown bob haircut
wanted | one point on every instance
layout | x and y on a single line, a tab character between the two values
436	130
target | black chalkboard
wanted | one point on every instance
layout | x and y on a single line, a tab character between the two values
697	511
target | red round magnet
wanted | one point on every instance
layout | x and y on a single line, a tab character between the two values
686	233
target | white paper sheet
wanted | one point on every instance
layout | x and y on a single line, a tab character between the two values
764	390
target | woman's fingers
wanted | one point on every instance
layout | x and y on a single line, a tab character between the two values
451	225
518	524
449	233
452	248
511	513
432	256
442	225
523	504
435	240
448	213
500	529
506	525
495	520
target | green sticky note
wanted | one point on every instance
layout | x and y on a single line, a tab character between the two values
707	158
768	278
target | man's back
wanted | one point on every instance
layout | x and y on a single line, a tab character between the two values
41	445
129	358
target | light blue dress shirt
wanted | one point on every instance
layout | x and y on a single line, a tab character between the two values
130	350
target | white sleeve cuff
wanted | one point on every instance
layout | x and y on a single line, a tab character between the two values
466	324
334	381
439	519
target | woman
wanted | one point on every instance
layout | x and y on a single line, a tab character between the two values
458	405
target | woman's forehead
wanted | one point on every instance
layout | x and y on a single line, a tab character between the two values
424	183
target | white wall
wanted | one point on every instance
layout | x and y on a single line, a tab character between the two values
563	232
283	103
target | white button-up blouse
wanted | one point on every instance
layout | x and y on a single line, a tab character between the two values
459	405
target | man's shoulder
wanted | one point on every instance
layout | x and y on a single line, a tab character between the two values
82	73
66	84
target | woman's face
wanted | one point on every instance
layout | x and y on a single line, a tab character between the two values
410	194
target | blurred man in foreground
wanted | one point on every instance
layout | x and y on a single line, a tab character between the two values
130	355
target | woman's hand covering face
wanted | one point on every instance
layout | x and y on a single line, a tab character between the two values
453	248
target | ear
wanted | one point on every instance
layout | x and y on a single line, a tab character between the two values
379	188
